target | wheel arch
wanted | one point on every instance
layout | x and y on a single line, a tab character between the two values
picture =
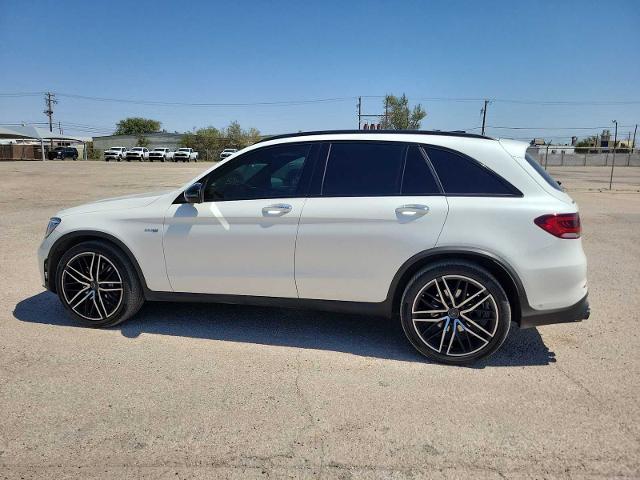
499	268
71	239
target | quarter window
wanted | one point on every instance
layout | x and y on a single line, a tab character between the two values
363	169
461	175
270	172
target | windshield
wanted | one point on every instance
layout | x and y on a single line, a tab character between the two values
183	149
158	149
137	149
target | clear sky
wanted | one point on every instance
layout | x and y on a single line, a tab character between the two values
264	51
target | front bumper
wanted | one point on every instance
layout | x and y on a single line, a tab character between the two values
575	313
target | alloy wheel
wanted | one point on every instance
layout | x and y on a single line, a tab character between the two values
455	315
92	286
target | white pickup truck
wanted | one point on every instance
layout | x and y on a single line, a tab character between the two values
138	153
161	154
185	155
227	152
115	153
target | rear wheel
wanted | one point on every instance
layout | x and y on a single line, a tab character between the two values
455	312
98	285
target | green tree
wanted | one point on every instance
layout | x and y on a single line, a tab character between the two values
400	116
583	146
207	141
137	126
210	141
143	141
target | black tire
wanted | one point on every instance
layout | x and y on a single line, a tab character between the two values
128	303
163	159
75	157
419	331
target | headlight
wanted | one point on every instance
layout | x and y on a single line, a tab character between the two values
53	223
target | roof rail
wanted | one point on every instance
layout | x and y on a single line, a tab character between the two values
455	133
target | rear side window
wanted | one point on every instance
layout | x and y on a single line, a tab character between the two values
542	172
363	169
461	175
418	178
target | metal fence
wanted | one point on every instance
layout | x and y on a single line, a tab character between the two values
595	157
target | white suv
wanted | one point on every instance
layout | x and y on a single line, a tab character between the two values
458	235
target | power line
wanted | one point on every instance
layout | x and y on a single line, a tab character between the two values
204	104
551	128
327	100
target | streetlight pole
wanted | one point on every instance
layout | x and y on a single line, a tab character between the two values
613	164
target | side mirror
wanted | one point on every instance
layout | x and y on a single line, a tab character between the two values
194	193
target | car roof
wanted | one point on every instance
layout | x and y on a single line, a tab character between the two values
455	133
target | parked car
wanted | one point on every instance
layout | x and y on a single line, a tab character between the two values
60	153
185	155
227	152
137	153
456	235
161	154
115	153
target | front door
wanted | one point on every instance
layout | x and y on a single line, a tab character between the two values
241	239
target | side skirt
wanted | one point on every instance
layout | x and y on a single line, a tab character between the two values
381	309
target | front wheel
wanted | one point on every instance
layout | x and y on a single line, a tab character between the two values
455	312
98	285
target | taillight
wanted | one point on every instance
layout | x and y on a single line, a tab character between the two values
562	225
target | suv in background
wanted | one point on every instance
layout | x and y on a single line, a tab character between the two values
60	153
137	153
115	153
227	152
456	235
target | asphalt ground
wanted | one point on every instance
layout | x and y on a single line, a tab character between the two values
216	391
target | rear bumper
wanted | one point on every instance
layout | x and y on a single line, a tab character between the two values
575	313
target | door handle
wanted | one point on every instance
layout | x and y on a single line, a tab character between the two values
412	210
276	210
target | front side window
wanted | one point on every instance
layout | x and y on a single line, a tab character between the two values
363	169
270	172
460	175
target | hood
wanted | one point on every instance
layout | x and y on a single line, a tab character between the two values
116	203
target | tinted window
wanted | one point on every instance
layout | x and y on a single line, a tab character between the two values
271	172
542	172
363	169
417	178
460	175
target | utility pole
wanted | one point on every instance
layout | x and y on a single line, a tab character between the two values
484	114
50	100
546	157
613	164
359	113
59	127
386	112
633	145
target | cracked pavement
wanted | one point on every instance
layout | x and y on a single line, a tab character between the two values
219	391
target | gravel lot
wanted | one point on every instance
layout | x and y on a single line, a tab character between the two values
206	391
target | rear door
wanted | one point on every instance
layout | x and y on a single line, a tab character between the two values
373	205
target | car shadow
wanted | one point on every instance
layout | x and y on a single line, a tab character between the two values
355	334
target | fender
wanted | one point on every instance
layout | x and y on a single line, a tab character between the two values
61	245
413	264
